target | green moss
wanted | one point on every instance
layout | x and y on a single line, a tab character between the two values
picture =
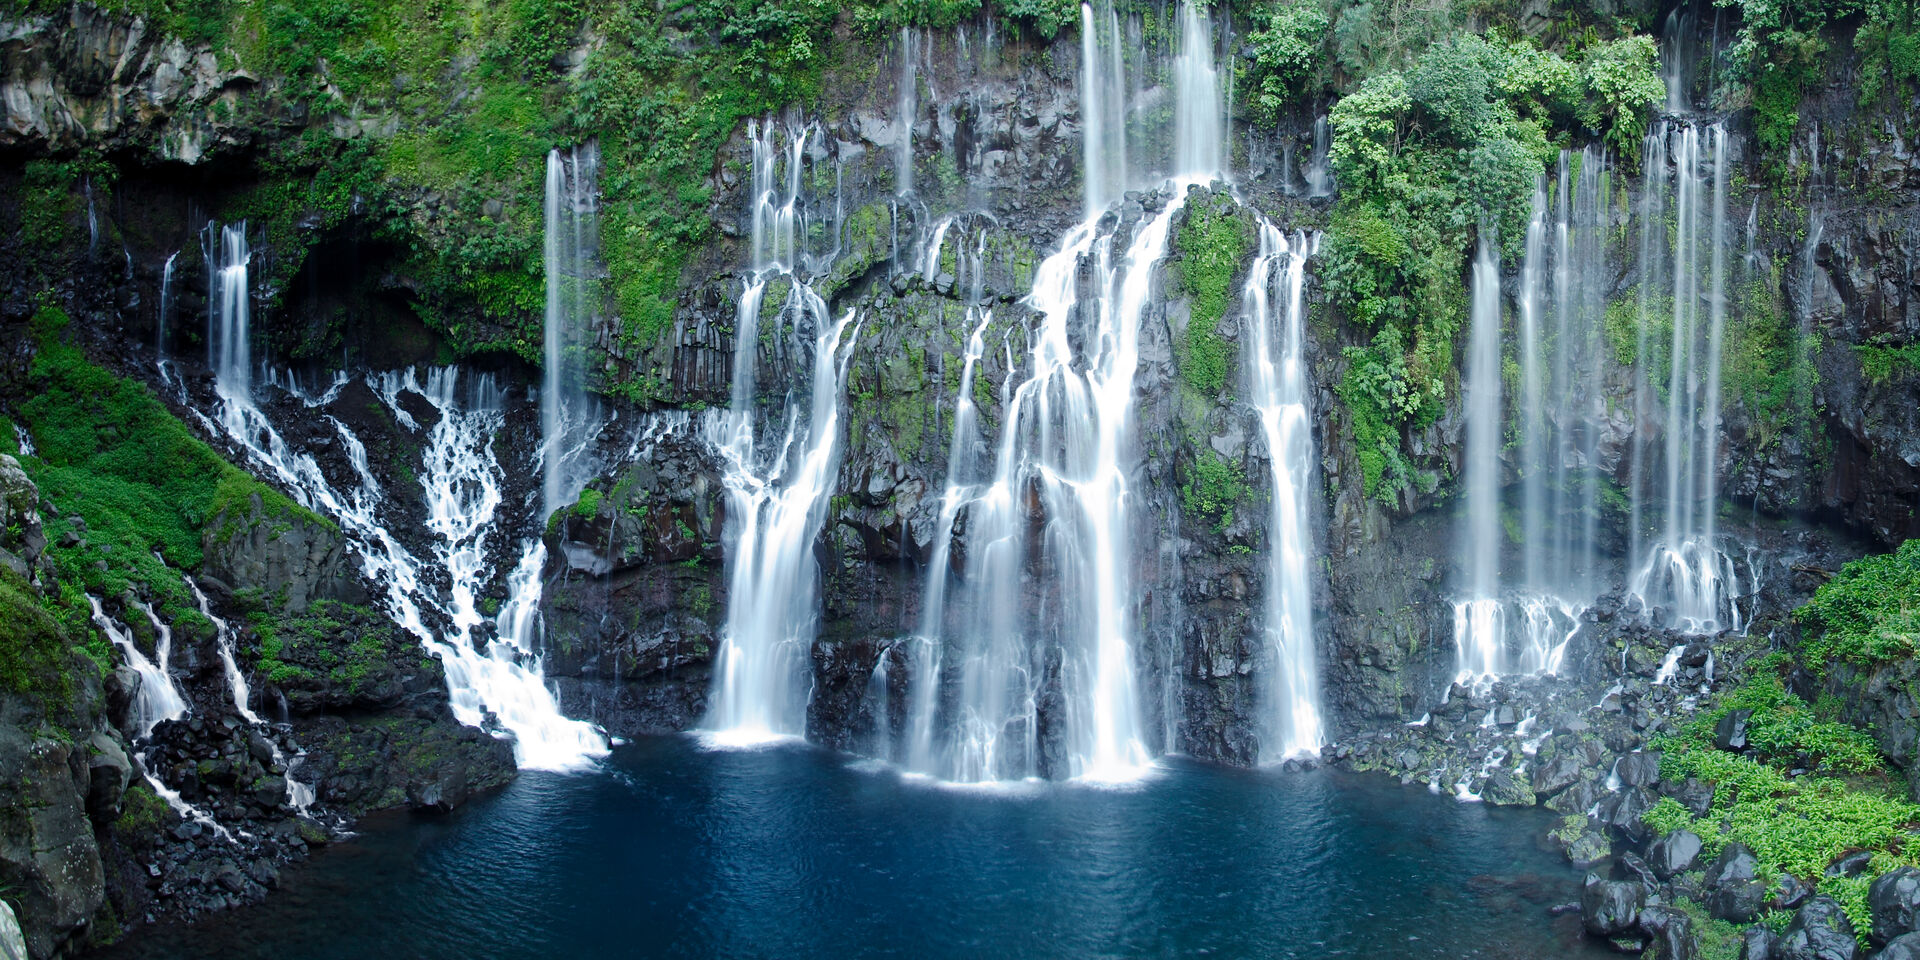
1212	489
1882	364
588	505
1212	243
35	650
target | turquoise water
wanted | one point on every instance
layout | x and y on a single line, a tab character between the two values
791	851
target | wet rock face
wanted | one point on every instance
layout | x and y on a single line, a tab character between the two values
636	591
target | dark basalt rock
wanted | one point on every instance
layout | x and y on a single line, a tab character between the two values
1903	947
1639	769
1731	732
1610	907
1735	891
1671	931
1894	899
1674	853
1820	931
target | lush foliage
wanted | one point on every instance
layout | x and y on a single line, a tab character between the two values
1288	50
1869	613
1212	242
132	485
1793	823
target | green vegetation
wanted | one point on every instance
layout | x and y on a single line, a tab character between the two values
1767	367
1781	48
1212	244
35	649
1794	823
1868	614
588	505
1428	160
1214	485
132	486
1880	364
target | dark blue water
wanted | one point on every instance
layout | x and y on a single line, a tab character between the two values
793	852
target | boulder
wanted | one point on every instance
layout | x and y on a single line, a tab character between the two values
1670	930
1608	907
1903	947
1731	732
1820	931
1759	943
1894	899
1735	891
1556	775
1674	853
13	946
1638	769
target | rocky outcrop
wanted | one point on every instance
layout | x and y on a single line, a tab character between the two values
636	591
86	77
292	559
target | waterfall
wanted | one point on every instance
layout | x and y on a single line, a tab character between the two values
223	641
569	422
909	92
1054	496
1277	388
963	474
166	305
1479	628
460	483
228	351
1684	571
1199	111
1319	168
778	475
1103	108
156	698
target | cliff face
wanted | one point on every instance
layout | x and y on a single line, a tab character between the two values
1821	461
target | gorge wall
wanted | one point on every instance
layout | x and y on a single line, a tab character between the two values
922	167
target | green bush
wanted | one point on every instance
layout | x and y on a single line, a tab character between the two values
1867	614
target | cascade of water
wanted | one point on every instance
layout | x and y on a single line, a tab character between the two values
906	109
230	354
1479	628
1685	571
569	421
1200	111
166	305
1103	107
1319	169
223	641
93	220
1277	388
461	487
777	490
1055	495
963	475
1559	416
156	698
